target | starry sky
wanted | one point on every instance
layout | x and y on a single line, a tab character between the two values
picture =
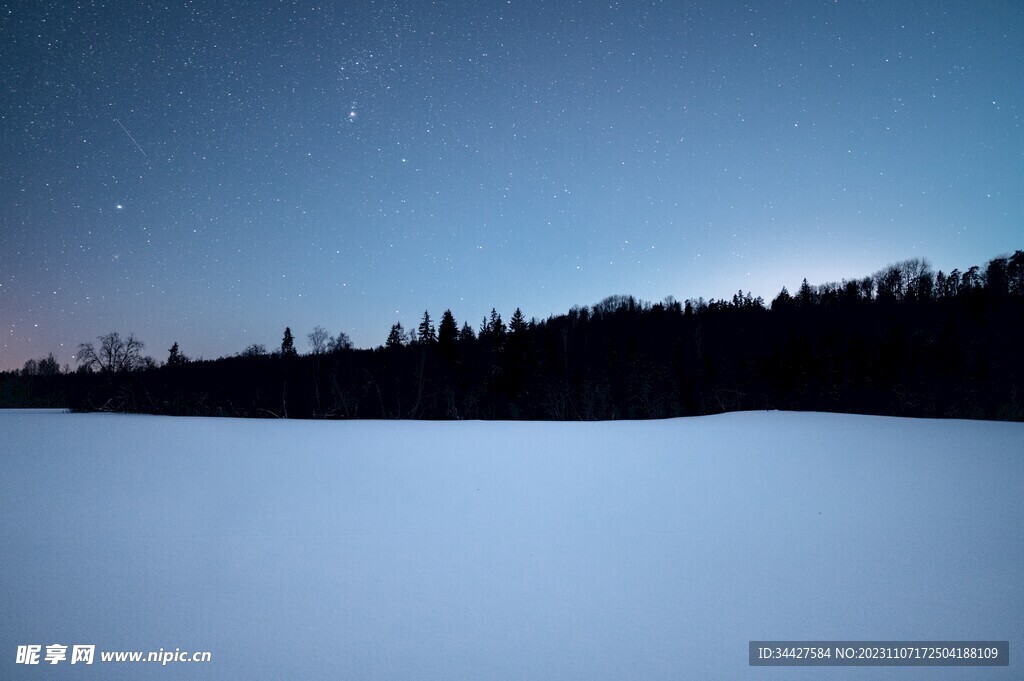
210	172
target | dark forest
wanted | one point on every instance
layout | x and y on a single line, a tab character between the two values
905	341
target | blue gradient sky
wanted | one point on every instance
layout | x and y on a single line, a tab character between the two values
208	173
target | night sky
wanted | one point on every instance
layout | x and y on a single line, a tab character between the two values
210	172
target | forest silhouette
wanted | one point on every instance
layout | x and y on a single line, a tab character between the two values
905	341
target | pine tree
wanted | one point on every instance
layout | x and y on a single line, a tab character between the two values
174	357
782	300
466	334
288	343
517	324
48	366
397	337
517	348
447	331
496	327
806	294
427	332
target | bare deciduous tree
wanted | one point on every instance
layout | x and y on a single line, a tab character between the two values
339	343
113	354
47	366
31	368
254	350
318	340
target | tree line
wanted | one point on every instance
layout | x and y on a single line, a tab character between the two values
903	341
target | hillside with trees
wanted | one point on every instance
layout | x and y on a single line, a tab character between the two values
905	341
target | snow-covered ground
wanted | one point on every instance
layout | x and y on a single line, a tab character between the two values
473	550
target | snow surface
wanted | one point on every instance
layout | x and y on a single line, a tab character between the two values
496	550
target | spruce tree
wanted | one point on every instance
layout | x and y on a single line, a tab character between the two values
496	329
447	330
288	343
517	324
174	357
783	300
427	332
396	337
806	295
